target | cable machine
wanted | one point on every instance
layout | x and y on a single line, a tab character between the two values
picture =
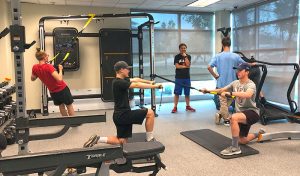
149	24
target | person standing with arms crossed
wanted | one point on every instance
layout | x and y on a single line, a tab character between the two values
182	62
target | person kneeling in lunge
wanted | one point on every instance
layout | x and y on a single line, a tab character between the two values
247	114
123	116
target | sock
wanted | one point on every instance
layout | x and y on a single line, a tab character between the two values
102	140
149	135
235	142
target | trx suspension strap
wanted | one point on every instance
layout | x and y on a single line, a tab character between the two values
72	42
51	60
215	93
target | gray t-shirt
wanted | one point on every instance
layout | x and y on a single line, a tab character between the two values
242	104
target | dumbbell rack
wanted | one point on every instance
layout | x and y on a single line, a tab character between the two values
7	111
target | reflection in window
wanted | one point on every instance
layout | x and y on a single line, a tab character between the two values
277	10
166	21
192	21
271	37
244	18
196	30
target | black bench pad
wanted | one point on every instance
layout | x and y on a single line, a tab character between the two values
138	150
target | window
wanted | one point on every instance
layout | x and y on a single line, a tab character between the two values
196	30
269	32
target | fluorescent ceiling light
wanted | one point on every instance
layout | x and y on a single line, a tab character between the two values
202	3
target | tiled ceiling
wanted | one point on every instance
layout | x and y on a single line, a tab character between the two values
166	5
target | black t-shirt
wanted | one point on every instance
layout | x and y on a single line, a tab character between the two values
120	92
182	73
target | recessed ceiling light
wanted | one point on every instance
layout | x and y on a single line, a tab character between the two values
202	3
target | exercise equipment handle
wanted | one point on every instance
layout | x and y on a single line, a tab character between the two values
216	93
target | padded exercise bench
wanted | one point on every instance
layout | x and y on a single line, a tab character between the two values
58	161
135	152
96	157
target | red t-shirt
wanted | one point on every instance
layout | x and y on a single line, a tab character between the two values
44	72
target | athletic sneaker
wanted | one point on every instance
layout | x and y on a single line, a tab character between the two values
189	108
231	151
152	140
218	118
260	132
71	171
174	110
226	123
92	141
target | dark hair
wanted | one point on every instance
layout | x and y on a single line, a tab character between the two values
39	55
226	41
182	44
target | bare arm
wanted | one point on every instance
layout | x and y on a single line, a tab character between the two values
58	76
178	66
187	62
33	77
219	91
211	71
141	80
144	85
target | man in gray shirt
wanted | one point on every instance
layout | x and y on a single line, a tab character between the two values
247	114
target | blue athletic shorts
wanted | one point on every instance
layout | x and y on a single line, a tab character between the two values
180	85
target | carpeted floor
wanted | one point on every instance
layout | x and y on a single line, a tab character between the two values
184	157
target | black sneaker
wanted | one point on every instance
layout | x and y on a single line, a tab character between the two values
226	123
92	141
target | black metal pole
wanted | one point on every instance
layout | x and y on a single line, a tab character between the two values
141	61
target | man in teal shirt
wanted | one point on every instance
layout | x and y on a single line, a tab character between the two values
224	62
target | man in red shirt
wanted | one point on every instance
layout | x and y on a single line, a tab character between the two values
59	91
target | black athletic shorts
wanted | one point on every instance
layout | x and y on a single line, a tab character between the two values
251	117
62	97
125	119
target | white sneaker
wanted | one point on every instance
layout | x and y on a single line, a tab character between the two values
218	118
261	131
231	151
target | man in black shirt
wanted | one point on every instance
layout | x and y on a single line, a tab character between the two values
123	116
182	62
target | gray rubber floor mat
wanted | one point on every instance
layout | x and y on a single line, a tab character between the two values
216	142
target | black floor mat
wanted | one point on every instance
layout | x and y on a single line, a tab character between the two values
216	142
